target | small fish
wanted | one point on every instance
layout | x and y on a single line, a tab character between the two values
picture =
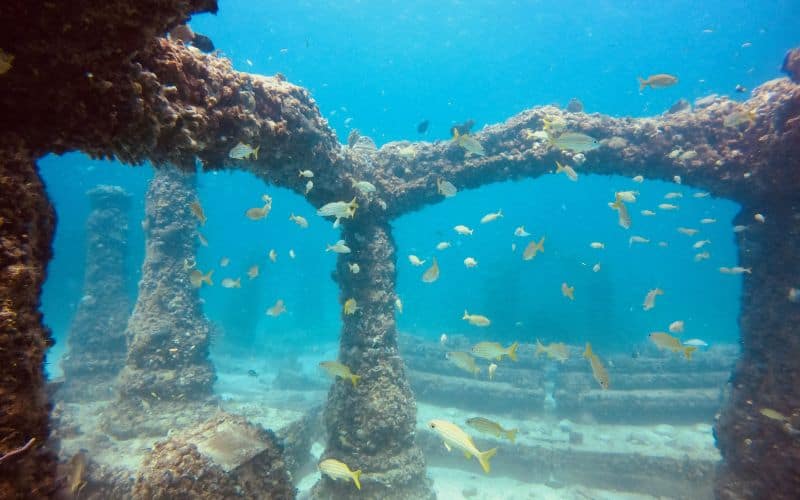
422	126
232	283
399	305
773	414
308	174
468	142
598	370
492	370
741	270
658	81
242	151
624	218
252	373
701	256
513	247
336	369
739	118
443	339
596	268
338	247
597	245
364	187
277	309
794	295
492	428
258	213
696	343
223	262
667	341
700	244
700	195
202	239
677	179
626	196
663	244
463	230
637	239
575	141
532	249
568	171
520	231
454	437
476	319
6	62
309	186
673	195
292	255
676	326
443	245
350	306
568	291
493	350
339	210
739	228
760	218
688	231
354	267
415	261
273	255
725	270
432	273
336	470
299	220
470	262
708	220
197	211
650	298
668	206
462	360
76	475
252	273
445	188
647	213
638	179
555	350
197	278
491	217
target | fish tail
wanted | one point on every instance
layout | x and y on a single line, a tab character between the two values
354	379
559	167
540	245
455	133
512	351
356	475
642	83
539	348
255	152
512	435
687	351
588	352
328	248
207	278
484	457
466	315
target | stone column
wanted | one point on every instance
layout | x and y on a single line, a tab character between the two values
167	334
96	337
371	427
761	456
27	222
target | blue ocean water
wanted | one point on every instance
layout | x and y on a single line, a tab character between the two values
383	67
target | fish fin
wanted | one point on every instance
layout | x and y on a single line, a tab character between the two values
642	83
447	446
512	351
588	352
512	435
466	315
455	134
354	379
559	167
356	474
207	278
484	457
328	248
687	351
336	223
540	245
255	152
539	348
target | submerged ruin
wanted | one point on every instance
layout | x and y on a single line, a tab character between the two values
146	98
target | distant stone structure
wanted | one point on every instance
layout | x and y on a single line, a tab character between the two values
96	338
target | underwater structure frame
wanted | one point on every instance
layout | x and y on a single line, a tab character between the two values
139	97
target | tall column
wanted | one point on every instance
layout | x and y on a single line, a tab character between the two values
167	334
27	222
371	426
761	456
96	338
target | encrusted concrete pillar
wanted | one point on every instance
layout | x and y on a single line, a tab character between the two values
167	334
761	454
27	222
96	337
371	426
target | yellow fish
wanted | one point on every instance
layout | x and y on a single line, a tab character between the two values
476	319
491	217
624	218
258	213
658	81
415	261
350	306
197	210
568	170
308	174
336	369
277	309
354	267
339	210
464	361
493	350
335	470
399	305
197	278
532	249
568	291
463	230
232	283
432	273
454	437
223	262
688	231
202	239
555	350
492	428
242	151
575	141
598	370
445	188
252	273
273	255
6	61
650	298
299	220
338	247
773	414
469	143
667	341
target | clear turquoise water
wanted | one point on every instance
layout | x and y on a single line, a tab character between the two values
384	66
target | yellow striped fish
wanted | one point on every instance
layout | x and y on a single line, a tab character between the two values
493	350
598	370
336	470
492	428
454	437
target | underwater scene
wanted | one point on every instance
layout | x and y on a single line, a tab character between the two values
455	250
